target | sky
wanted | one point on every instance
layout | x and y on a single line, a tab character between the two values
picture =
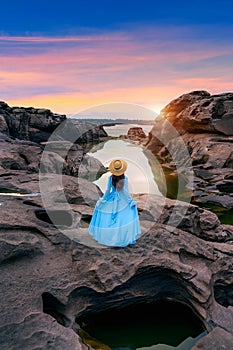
75	54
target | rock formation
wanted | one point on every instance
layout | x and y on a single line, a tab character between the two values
37	125
53	274
19	154
136	134
70	159
26	133
205	123
30	123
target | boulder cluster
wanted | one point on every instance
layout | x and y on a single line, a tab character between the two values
26	133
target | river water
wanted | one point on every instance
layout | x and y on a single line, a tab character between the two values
141	178
140	334
158	326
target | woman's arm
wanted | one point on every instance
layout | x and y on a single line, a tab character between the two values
104	198
108	188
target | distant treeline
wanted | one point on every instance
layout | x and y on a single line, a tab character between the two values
116	121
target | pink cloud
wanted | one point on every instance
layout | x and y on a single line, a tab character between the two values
105	68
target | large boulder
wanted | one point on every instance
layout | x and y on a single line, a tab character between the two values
199	111
203	124
70	159
136	134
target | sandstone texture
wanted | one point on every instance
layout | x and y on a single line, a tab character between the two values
53	272
214	340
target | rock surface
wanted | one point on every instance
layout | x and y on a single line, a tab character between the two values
205	124
19	154
57	157
217	339
60	273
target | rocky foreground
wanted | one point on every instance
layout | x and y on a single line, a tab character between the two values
52	272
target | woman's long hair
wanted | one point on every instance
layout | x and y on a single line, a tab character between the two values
118	181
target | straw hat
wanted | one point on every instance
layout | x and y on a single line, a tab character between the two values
118	167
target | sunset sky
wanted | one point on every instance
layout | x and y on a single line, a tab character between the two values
74	54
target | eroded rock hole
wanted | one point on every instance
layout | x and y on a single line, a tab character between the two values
32	204
224	294
10	191
53	307
85	220
55	217
144	325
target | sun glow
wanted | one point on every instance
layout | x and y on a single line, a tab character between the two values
156	110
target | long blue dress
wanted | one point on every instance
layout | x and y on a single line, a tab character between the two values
115	221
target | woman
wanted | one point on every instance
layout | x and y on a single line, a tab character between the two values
115	220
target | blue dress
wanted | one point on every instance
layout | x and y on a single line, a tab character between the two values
115	220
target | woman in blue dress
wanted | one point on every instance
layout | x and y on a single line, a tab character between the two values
115	220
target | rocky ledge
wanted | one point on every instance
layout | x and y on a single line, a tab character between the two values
37	125
32	124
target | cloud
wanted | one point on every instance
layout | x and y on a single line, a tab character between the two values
148	67
59	39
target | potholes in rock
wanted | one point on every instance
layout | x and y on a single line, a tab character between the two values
226	187
32	204
53	307
225	215
55	217
224	294
141	326
85	220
